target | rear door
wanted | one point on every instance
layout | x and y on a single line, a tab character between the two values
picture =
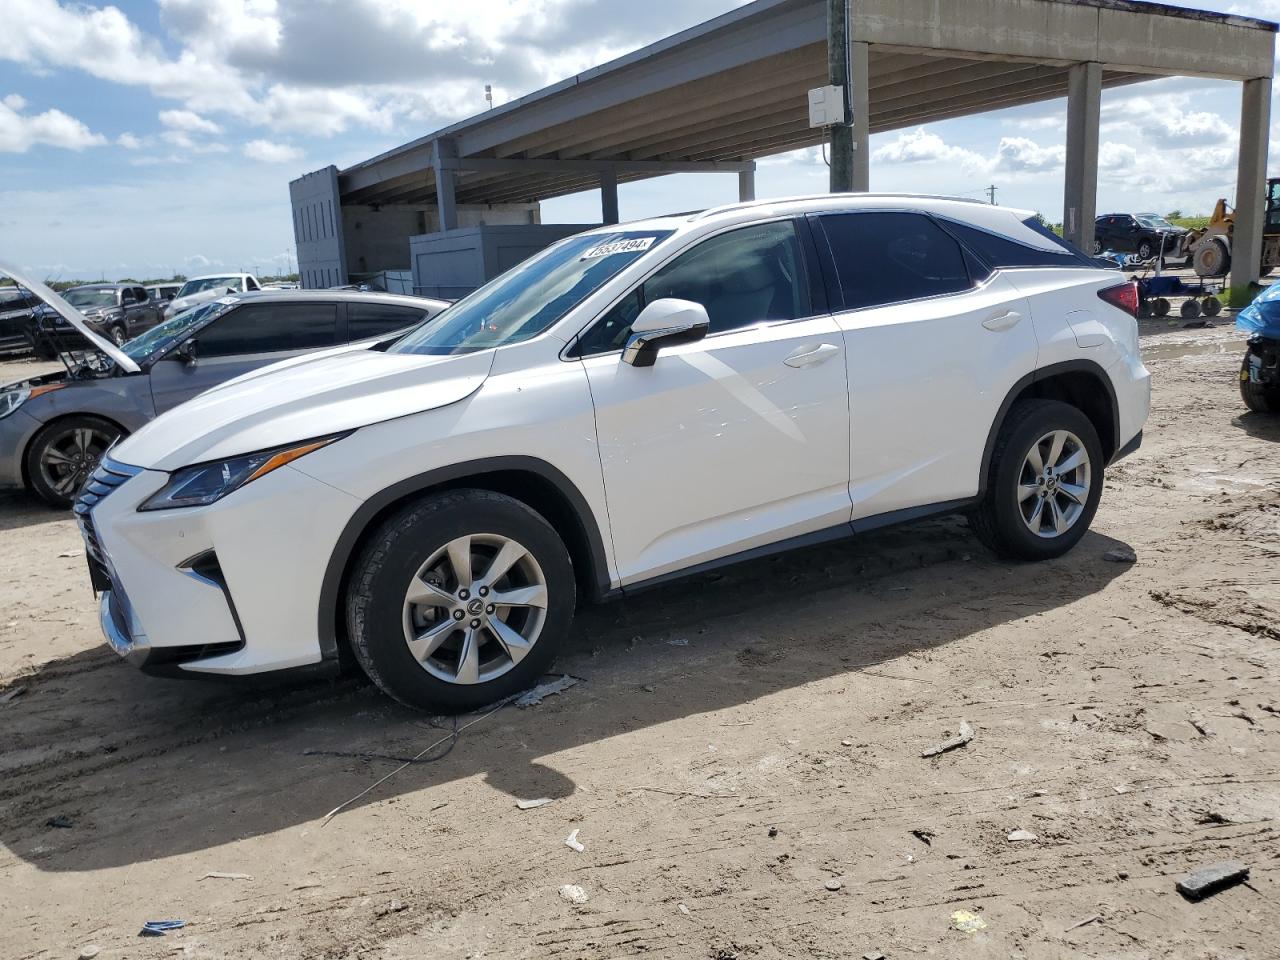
933	343
241	340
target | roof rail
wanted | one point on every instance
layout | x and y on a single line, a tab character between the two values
711	211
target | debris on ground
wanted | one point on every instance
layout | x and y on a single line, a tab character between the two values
60	822
959	740
967	922
682	642
1206	881
11	695
683	908
543	690
1120	555
533	804
89	952
158	928
219	875
1097	917
773	831
1205	817
573	893
833	884
874	955
395	906
924	836
1022	836
573	843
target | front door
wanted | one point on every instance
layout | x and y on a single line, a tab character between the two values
737	441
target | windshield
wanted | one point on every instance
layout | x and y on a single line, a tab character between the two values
1157	223
532	296
209	283
164	336
90	298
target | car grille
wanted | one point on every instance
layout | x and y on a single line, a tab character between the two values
106	478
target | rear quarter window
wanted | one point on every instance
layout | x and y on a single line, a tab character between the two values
1001	251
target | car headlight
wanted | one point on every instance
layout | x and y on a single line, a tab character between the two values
206	483
14	397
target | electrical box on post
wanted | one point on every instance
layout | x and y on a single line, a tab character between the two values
826	106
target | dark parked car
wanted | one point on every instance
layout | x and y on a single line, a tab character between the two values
53	428
116	311
17	306
1139	233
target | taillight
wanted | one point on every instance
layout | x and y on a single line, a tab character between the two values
1122	295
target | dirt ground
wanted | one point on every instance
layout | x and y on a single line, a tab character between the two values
738	746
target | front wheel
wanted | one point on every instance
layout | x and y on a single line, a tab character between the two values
1145	250
459	600
1043	484
119	336
64	454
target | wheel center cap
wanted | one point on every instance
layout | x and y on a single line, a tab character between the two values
475	607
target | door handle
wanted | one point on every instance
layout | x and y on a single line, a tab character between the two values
1004	322
810	356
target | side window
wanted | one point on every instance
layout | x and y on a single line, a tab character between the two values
886	258
366	320
269	328
1002	252
140	294
251	284
744	277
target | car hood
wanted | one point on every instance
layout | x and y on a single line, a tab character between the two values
323	395
72	316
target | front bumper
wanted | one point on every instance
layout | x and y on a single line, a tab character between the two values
230	589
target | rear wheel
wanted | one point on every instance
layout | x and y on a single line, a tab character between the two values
459	600
119	336
1211	259
1258	397
1044	482
64	454
1145	250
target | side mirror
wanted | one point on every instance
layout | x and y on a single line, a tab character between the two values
187	353
664	323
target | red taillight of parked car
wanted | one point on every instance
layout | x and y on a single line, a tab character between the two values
1122	295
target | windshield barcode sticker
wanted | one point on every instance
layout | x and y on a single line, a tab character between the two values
634	245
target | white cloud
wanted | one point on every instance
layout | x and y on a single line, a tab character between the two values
1022	155
921	146
268	152
128	141
19	132
188	121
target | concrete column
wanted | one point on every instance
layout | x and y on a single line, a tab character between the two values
1080	196
609	196
1251	183
860	104
446	184
746	185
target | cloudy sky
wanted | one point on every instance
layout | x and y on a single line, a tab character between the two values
147	138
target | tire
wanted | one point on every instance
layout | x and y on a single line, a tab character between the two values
1145	250
1161	308
1211	259
999	520
421	541
1211	307
1097	247
64	453
119	335
1189	310
1258	397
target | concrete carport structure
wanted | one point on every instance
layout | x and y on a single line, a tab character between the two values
718	96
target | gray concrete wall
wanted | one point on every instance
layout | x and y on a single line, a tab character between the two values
378	238
316	229
456	262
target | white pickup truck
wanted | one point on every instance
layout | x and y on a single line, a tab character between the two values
198	290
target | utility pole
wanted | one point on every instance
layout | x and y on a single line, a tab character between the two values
838	75
991	194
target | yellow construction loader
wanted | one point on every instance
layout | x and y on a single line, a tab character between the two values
1210	249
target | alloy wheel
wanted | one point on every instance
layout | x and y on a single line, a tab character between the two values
70	457
475	609
1053	486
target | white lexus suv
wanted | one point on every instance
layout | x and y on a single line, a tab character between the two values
633	404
